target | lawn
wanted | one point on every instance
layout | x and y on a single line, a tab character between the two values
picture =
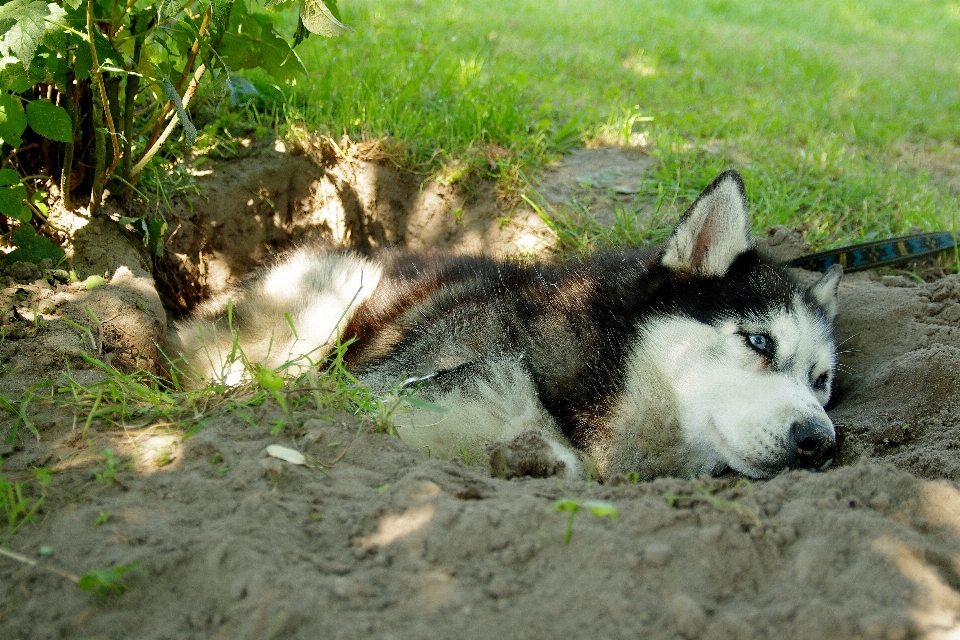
842	116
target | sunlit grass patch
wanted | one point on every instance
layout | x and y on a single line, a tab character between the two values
147	408
813	102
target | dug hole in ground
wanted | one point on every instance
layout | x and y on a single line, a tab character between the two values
379	541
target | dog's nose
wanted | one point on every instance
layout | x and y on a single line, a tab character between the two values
815	444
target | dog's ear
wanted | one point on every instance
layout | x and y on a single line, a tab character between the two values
713	231
824	291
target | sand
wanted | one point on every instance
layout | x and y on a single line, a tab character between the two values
374	540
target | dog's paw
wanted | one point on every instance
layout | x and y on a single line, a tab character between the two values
529	454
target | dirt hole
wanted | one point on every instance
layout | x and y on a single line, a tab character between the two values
272	199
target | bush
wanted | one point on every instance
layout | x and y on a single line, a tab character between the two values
90	90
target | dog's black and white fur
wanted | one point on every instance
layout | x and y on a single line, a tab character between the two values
685	359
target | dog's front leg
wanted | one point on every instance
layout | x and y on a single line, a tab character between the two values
534	454
486	411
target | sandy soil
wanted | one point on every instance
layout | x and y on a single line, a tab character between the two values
372	540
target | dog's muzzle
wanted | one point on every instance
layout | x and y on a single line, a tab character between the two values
814	442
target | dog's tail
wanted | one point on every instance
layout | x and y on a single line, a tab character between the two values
288	317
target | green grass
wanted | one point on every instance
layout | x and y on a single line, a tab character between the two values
842	116
141	400
599	509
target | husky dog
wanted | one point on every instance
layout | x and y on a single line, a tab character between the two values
686	359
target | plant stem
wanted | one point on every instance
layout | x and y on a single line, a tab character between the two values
13	555
99	152
129	106
104	100
74	112
118	20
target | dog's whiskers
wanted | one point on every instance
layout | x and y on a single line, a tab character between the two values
847	339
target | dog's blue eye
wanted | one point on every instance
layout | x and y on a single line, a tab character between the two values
821	381
758	341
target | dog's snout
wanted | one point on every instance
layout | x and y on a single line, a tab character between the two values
815	444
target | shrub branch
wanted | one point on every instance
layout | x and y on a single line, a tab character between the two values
104	101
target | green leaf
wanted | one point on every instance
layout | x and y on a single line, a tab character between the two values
84	61
601	509
332	6
94	281
8	176
12	120
20	84
301	33
566	504
105	54
252	42
32	247
14	79
31	20
44	476
156	230
101	582
169	8
269	379
49	120
220	18
39	200
11	200
320	19
54	37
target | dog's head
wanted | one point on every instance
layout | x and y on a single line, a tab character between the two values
750	353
